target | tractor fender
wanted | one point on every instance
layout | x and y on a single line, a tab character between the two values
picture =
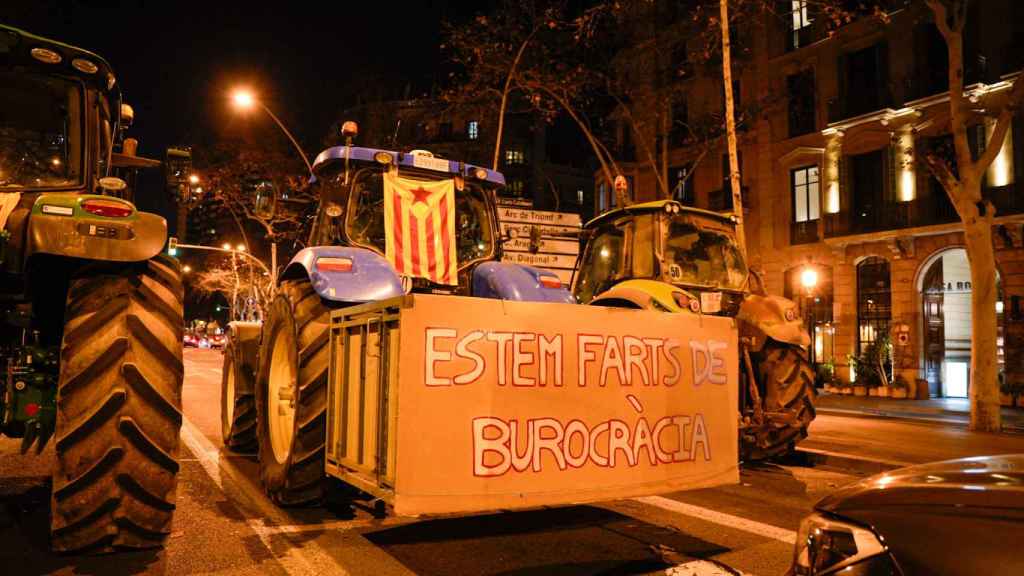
58	225
764	317
643	294
245	339
507	281
371	278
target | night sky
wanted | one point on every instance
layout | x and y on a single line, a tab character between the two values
177	61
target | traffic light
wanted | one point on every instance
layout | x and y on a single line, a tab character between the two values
172	246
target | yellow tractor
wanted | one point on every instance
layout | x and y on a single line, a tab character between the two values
665	256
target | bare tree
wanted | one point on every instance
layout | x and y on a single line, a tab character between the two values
961	177
240	281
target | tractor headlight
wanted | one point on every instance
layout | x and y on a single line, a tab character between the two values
791	314
824	545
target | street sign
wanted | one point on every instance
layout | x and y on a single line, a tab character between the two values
539	260
557	246
509	214
547	245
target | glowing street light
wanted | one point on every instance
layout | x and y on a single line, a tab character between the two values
193	179
226	246
809	278
244	99
186	268
240	247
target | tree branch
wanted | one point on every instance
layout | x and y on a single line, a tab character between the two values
941	17
1010	108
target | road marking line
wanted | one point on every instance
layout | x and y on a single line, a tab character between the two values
338	526
721	518
309	559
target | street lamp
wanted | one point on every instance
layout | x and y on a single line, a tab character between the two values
809	281
193	179
244	100
186	268
240	247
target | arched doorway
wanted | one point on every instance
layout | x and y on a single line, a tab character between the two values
945	287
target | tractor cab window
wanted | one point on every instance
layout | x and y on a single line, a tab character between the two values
40	131
365	219
602	265
703	257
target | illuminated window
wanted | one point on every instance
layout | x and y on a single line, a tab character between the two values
800	23
579	196
473	130
804	182
513	156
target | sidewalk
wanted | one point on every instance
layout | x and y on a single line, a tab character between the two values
948	410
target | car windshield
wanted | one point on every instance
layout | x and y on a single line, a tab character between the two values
40	131
602	263
703	256
365	217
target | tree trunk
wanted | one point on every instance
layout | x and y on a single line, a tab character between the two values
730	129
984	392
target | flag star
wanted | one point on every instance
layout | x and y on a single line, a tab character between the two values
420	195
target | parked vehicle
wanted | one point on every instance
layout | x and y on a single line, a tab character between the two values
402	300
191	340
669	257
959	518
92	331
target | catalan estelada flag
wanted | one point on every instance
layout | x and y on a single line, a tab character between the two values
419	221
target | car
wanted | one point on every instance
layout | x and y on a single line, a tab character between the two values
956	517
190	340
217	341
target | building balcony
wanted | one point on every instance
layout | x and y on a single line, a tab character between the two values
930	210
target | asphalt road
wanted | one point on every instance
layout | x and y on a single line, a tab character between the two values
224	524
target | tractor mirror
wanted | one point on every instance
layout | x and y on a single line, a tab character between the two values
266	199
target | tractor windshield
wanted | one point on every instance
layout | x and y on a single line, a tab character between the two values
704	256
602	263
40	131
365	219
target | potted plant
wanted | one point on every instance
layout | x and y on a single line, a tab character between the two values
825	373
1010	389
899	387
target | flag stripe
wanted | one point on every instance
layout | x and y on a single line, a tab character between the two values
445	241
432	270
396	218
414	242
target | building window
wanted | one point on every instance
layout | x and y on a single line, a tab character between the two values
803	183
602	198
799	24
721	199
874	302
579	196
867	177
514	187
513	156
865	80
473	130
801	91
680	182
444	131
679	131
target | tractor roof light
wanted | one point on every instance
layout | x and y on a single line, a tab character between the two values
46	56
480	173
349	129
382	157
84	66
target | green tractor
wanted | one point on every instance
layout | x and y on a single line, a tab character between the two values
91	335
665	256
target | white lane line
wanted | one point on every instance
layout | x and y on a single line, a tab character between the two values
720	518
298	559
703	568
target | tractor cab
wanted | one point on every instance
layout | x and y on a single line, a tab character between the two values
687	258
433	219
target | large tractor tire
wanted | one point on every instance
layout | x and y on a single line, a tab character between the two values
237	402
118	407
787	383
291	395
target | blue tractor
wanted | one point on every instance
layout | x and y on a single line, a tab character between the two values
388	223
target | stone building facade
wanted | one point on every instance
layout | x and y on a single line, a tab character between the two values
832	178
